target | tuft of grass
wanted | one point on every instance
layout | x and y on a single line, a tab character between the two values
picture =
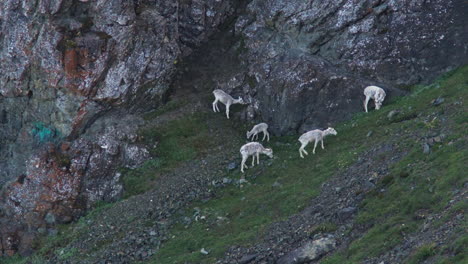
322	228
422	253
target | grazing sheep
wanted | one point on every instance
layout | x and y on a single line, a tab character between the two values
253	149
376	93
316	135
223	97
262	127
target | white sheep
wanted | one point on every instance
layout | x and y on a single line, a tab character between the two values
253	149
314	135
262	127
376	93
223	97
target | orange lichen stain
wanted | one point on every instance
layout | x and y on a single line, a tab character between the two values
70	62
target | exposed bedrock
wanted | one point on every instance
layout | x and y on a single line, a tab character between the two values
306	63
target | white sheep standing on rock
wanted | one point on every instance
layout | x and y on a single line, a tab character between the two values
314	135
253	149
223	97
375	93
262	127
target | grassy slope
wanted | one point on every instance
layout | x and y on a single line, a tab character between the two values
432	176
419	181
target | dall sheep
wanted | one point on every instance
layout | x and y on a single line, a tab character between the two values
314	135
262	127
253	149
375	93
223	97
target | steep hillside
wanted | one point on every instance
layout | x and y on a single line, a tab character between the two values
105	111
391	187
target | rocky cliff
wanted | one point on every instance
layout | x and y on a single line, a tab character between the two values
75	77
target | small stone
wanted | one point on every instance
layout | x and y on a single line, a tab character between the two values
426	148
204	252
337	189
52	232
438	101
276	184
370	133
50	218
392	113
247	258
346	213
232	166
227	181
438	139
152	233
310	251
241	181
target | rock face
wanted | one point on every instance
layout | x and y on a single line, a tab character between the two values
307	62
73	76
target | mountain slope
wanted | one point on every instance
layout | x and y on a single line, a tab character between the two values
391	186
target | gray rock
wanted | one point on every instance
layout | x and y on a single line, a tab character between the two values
438	101
346	213
247	258
276	184
50	218
426	148
232	166
312	250
392	114
369	133
227	180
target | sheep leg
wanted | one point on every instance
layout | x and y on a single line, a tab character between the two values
315	145
244	158
322	144
366	102
214	105
253	160
264	136
227	110
268	135
258	158
301	150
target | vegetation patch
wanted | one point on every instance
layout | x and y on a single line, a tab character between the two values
172	143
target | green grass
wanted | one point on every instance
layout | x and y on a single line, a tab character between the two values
174	142
170	106
423	253
419	181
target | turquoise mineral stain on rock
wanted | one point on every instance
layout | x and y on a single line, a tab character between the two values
42	133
